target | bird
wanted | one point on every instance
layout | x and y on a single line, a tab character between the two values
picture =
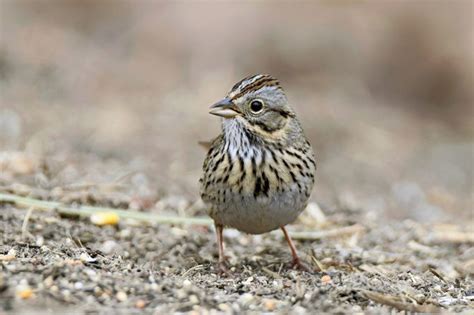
259	172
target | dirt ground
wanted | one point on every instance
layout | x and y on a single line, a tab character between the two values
103	106
362	262
75	267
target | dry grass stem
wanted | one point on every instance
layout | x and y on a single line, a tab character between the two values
395	302
24	226
86	211
332	233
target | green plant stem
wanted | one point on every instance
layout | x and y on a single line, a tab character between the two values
86	211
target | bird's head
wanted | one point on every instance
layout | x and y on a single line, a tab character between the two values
259	103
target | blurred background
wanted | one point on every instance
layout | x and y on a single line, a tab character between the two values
101	93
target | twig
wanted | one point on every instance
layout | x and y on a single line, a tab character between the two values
455	237
24	226
197	267
393	301
437	274
272	274
337	232
86	211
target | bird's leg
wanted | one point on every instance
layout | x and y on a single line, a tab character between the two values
220	243
296	263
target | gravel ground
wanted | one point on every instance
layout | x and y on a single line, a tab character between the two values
73	266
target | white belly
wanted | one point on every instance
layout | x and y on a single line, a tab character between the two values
259	215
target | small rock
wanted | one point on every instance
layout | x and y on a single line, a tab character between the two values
187	284
40	241
24	292
246	299
269	304
224	307
326	279
121	296
78	285
48	282
140	304
248	281
125	234
108	247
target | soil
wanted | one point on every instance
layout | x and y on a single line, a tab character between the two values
73	266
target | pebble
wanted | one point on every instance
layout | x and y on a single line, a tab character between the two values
270	304
108	247
125	234
78	285
40	241
193	299
326	279
224	307
187	284
24	292
248	281
246	298
181	294
121	296
48	282
140	304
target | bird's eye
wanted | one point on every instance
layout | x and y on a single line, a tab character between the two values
256	106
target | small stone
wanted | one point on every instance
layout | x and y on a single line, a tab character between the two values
326	279
121	296
24	292
40	241
269	304
125	234
187	284
108	247
245	299
181	294
224	307
193	299
140	304
48	282
78	285
248	281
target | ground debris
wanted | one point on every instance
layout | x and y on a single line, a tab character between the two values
398	303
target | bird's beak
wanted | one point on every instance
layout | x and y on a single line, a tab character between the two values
224	108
